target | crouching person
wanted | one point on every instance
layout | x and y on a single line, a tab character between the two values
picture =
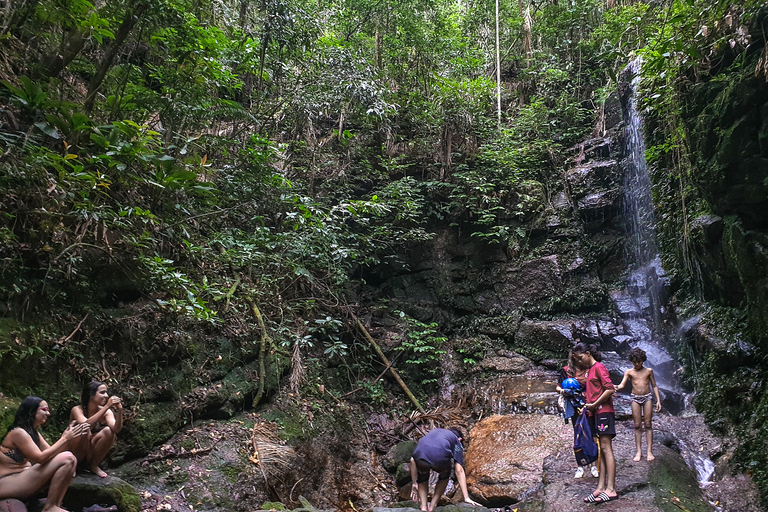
28	463
440	451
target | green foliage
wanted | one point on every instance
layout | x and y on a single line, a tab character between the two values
30	96
423	348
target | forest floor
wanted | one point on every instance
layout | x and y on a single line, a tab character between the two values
224	478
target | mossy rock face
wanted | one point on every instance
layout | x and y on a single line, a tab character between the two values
675	486
87	490
398	454
153	425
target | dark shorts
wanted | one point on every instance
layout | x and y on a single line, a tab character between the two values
423	468
603	424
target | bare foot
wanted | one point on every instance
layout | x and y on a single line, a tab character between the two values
637	457
54	508
650	456
96	470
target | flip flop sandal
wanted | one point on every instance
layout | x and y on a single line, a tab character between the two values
590	499
604	498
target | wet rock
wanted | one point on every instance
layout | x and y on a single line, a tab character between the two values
708	227
552	364
512	363
397	455
527	393
506	453
403	476
657	358
515	285
672	401
497	326
623	405
88	489
553	336
642	486
625	304
594	188
616	365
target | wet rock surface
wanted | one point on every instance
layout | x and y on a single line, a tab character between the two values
88	489
506	454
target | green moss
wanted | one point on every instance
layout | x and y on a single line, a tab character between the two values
85	491
7	414
272	505
230	471
671	481
154	424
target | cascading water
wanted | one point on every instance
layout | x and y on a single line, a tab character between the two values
641	304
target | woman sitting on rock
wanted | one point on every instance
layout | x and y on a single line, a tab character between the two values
28	463
96	410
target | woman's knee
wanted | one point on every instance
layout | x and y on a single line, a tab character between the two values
107	433
65	459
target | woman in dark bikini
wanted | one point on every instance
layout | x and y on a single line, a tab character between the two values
96	410
28	463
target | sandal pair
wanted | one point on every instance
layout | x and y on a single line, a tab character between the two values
600	498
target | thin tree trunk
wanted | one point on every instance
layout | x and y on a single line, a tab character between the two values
129	21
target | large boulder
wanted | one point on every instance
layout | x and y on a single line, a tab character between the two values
88	489
504	461
594	188
545	336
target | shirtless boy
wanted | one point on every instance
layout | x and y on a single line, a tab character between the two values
643	382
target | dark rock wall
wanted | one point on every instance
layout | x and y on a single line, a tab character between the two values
728	126
721	280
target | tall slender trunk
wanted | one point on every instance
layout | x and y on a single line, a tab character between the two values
131	18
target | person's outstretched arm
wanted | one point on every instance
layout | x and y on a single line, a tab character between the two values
462	478
21	440
623	381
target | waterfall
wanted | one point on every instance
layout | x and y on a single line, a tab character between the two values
641	304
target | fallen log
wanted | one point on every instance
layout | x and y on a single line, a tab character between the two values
386	362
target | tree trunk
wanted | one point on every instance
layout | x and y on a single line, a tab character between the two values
129	21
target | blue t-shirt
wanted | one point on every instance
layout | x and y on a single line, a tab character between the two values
438	447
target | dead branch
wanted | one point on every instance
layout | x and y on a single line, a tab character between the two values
182	455
386	362
65	340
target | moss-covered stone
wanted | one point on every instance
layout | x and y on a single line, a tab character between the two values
675	486
398	454
8	408
87	490
153	424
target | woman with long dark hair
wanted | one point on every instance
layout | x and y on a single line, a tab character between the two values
602	417
28	463
104	416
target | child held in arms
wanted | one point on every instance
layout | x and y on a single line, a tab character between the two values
643	381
